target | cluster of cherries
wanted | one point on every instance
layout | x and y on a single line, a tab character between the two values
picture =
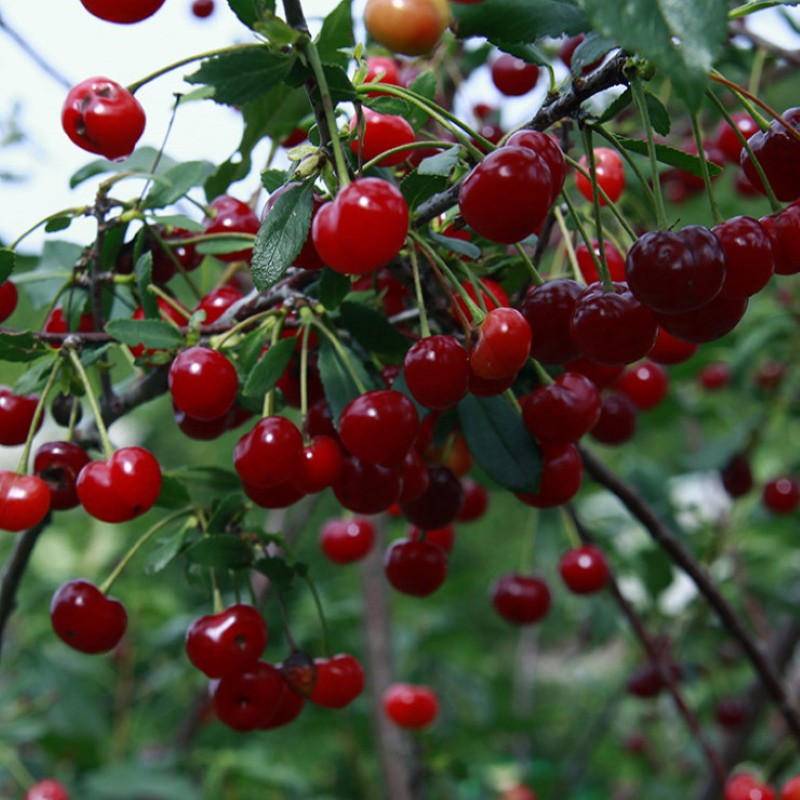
748	786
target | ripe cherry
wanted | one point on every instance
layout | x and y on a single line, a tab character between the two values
368	488
59	464
562	475
124	12
203	383
121	488
410	27
444	537
24	501
103	117
618	419
321	463
731	712
232	216
708	323
745	786
715	376
269	453
614	261
564	411
782	230
250	699
376	133
86	619
584	569
609	173
280	495
439	504
777	152
484	292
8	299
503	346
547	148
669	350
436	371
512	76
203	8
217	302
57	322
791	789
727	140
227	643
601	375
646	383
414	475
382	69
373	207
736	476
340	680
781	495
521	599
417	568
47	789
548	309
476	501
518	792
346	540
508	195
749	260
16	416
410	706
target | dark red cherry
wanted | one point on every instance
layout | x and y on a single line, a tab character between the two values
584	569
203	383
669	350
618	418
777	151
8	299
439	504
708	323
269	453
436	371
123	12
547	148
731	712
736	476
476	501
368	488
16	416
748	256
340	680
417	568
280	495
727	140
59	464
548	308
781	495
646	383
347	540
512	76
563	411
521	599
321	463
376	133
503	346
444	537
561	477
86	619
249	700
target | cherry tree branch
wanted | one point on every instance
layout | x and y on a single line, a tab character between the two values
680	555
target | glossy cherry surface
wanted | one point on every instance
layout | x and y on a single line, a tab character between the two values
521	599
24	501
561	477
250	699
584	570
86	619
203	383
346	540
376	133
124	12
410	705
512	76
503	346
340	680
563	411
230	215
417	568
609	173
58	464
47	789
439	504
269	453
16	416
8	299
436	371
548	309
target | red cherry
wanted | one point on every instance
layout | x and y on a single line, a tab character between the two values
714	376
340	680
321	463
567	50
232	216
203	8
618	418
584	569
217	302
368	488
777	152
503	346
8	299
281	495
562	475
24	501
782	230
373	207
379	427
564	411
727	140
548	309
59	464
614	260
442	537
507	196
476	501
645	383
436	370
121	488
781	495
86	619
56	322
609	172
746	786
410	706
708	323
492	295
417	568
203	383
381	132
731	712
521	599
748	256
382	69
101	116
791	789
346	540
269	453
669	350
518	792
227	643
513	76
547	148
48	789
439	504
124	12
414	475
249	700
16	416
601	375
736	476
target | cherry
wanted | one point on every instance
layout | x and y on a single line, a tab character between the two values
612	327
59	464
769	375
791	789
227	643
507	196
518	792
289	707
382	69
439	504
47	789
728	142
673	273
618	419
232	216
203	383
564	411
708	323
512	76
476	501
736	476
614	260
777	152
562	475
103	117
547	148
669	350
8	299
280	495
731	712
417	568
124	12
410	27
548	309
202	430
168	312
346	540
203	8
782	230
217	302
715	376
86	619
609	173
584	569
321	463
121	488
646	383
367	488
781	495
379	427
373	207
503	347
16	416
485	293
340	680
249	700
745	786
567	50
410	706
380	132
56	322
442	537
646	682
415	477
24	501
483	387
436	371
521	599
269	453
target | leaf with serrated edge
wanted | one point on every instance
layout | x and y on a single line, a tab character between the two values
441	164
518	20
268	370
152	333
177	182
670	155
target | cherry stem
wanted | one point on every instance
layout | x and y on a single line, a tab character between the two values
167	248
102	431
22	466
570	527
536	278
80	211
337	346
105	587
605	276
752	7
12	762
287	632
529	545
326	642
602	270
545	378
566	237
219	604
418	145
424	327
304	375
268	407
641	105
244	324
169	300
698	140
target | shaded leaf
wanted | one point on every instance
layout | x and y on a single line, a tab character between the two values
337	35
155	334
20	347
518	20
375	333
268	370
463	248
250	11
140	161
35	376
659	116
221	552
333	288
425	85
418	188
8	260
671	156
272	179
144	277
277	570
208	478
176	183
173	494
58	223
229	508
340	388
441	164
590	50
168	548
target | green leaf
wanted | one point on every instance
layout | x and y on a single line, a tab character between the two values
389	105
250	11
340	388
8	260
58	223
179	221
177	182
225	244
500	442
277	570
272	179
671	156
144	277
35	376
241	76
269	368
373	331
441	164
680	39
221	552
20	347
333	288
337	35
173	494
617	106
424	85
518	20
208	478
418	188
282	235
168	548
155	334
339	84
659	116
590	50
140	161
276	31
454	245
229	508
526	51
